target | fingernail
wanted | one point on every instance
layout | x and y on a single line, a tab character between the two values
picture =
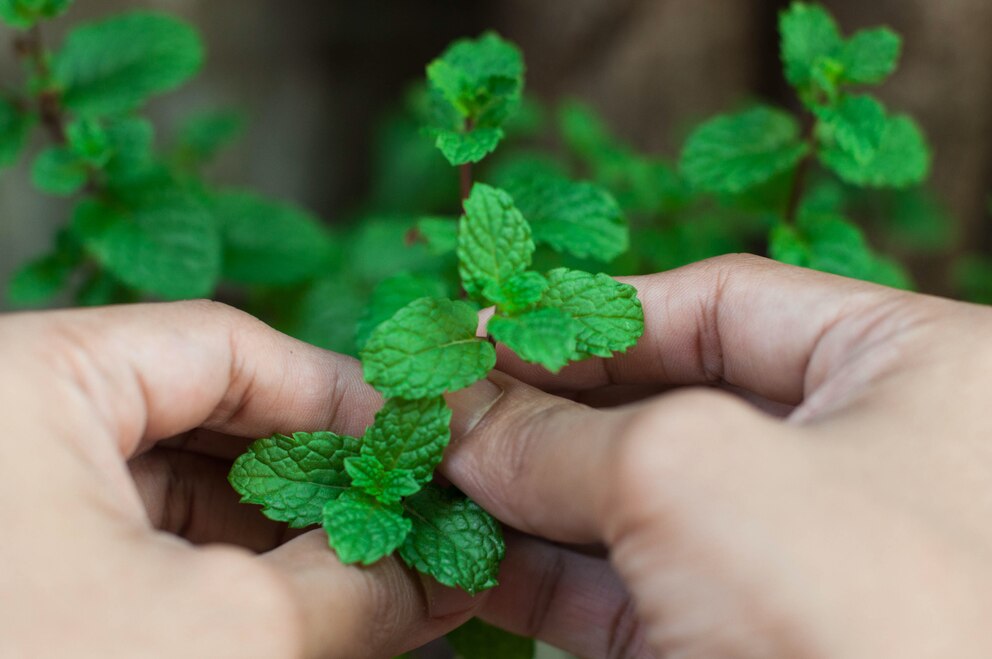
470	406
443	602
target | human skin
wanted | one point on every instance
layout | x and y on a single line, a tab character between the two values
789	464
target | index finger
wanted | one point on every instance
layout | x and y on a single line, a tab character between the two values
769	328
142	373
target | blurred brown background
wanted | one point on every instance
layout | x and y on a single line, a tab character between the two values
315	75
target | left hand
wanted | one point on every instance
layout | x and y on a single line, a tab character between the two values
117	543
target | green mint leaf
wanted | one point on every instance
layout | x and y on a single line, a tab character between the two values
441	234
731	153
386	486
14	127
115	65
856	124
89	141
363	530
870	56
542	336
294	477
164	243
482	79
43	278
427	348
478	640
608	312
494	240
809	37
58	171
832	244
901	160
972	275
205	135
268	241
453	540
578	218
472	146
410	435
518	293
130	140
391	295
101	288
24	14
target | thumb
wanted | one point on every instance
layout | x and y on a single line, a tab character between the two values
564	471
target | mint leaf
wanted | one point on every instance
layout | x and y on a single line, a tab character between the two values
609	314
205	135
542	336
453	540
387	487
856	124
732	153
482	79
58	171
579	218
268	241
14	127
441	234
478	640
410	435
24	14
363	530
130	140
901	160
809	36
115	65
293	477
163	243
391	295
972	275
494	240
518	293
468	147
870	56
427	348
89	141
45	277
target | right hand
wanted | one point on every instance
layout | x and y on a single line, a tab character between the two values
855	522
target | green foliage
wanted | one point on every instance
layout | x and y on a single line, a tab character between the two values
163	242
268	242
58	171
385	486
427	348
732	153
391	295
453	540
901	159
518	293
294	477
476	86
494	240
870	56
478	640
25	14
115	65
203	136
410	435
14	127
546	336
363	529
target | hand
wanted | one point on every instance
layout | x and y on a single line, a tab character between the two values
85	397
859	525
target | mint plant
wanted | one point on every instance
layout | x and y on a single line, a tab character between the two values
145	223
375	495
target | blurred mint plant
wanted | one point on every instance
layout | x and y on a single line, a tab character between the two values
145	222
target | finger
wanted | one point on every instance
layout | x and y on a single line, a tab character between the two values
550	467
574	602
146	372
380	611
187	494
769	328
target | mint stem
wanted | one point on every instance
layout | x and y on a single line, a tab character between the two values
465	171
32	48
802	172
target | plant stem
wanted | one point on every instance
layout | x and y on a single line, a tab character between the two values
465	171
32	48
802	172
